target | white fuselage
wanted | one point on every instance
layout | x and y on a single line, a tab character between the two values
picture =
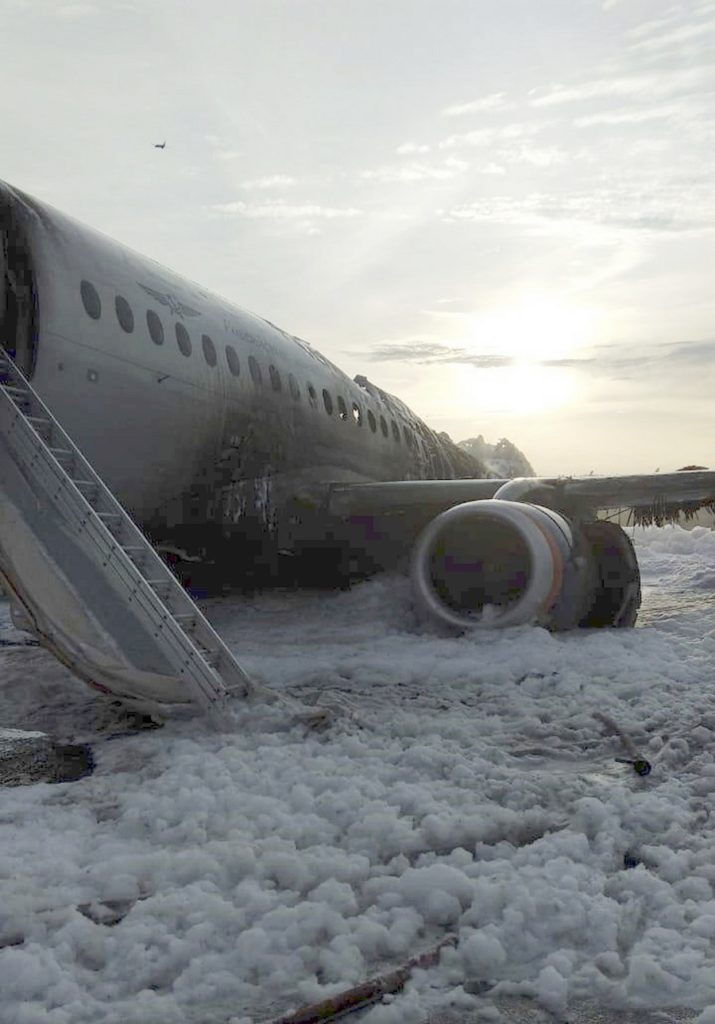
191	409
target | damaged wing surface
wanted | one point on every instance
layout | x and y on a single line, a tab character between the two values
652	498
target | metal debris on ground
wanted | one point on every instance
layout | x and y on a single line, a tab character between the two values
368	992
639	764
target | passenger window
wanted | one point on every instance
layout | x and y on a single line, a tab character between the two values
293	387
407	436
124	314
255	370
233	362
371	420
156	329
312	395
383	426
90	300
357	414
209	350
395	431
183	340
342	408
327	402
275	376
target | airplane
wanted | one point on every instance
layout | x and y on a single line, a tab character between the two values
251	459
160	145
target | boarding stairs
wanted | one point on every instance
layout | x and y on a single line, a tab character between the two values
123	565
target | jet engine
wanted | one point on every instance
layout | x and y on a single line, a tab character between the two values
494	563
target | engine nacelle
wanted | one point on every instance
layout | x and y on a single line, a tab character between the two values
494	563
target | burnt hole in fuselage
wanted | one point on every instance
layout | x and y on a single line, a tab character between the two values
18	298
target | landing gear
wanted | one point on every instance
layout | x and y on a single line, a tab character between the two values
618	590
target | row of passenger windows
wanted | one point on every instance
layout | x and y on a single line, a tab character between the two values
125	317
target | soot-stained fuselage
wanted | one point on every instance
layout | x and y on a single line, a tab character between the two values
209	423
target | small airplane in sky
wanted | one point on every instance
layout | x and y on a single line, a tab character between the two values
160	145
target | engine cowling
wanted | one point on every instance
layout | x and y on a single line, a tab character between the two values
494	563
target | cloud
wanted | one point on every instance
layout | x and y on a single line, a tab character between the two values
671	365
683	34
645	86
682	206
431	352
537	156
494	101
480	137
410	148
646	27
692	353
76	10
227	154
643	361
270	181
277	209
626	116
449	168
53	8
487	136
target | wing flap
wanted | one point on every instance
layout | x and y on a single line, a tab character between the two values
652	498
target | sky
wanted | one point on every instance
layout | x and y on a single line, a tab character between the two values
503	212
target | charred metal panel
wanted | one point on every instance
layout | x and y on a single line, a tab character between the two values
18	296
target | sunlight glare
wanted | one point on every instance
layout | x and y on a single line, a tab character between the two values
533	335
532	330
520	390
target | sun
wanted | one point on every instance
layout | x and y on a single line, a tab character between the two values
533	329
537	338
519	390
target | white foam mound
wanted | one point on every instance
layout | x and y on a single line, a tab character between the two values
473	789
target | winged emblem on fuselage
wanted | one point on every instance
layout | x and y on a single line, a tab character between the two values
176	306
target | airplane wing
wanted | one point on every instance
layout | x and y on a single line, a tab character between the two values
651	498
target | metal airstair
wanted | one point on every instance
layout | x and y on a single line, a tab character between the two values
110	608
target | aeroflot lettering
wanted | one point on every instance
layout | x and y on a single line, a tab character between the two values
244	335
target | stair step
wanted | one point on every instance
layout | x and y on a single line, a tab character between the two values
89	488
113	522
136	554
14	392
170	618
39	422
160	585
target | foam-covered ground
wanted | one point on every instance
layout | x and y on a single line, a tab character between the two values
469	786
